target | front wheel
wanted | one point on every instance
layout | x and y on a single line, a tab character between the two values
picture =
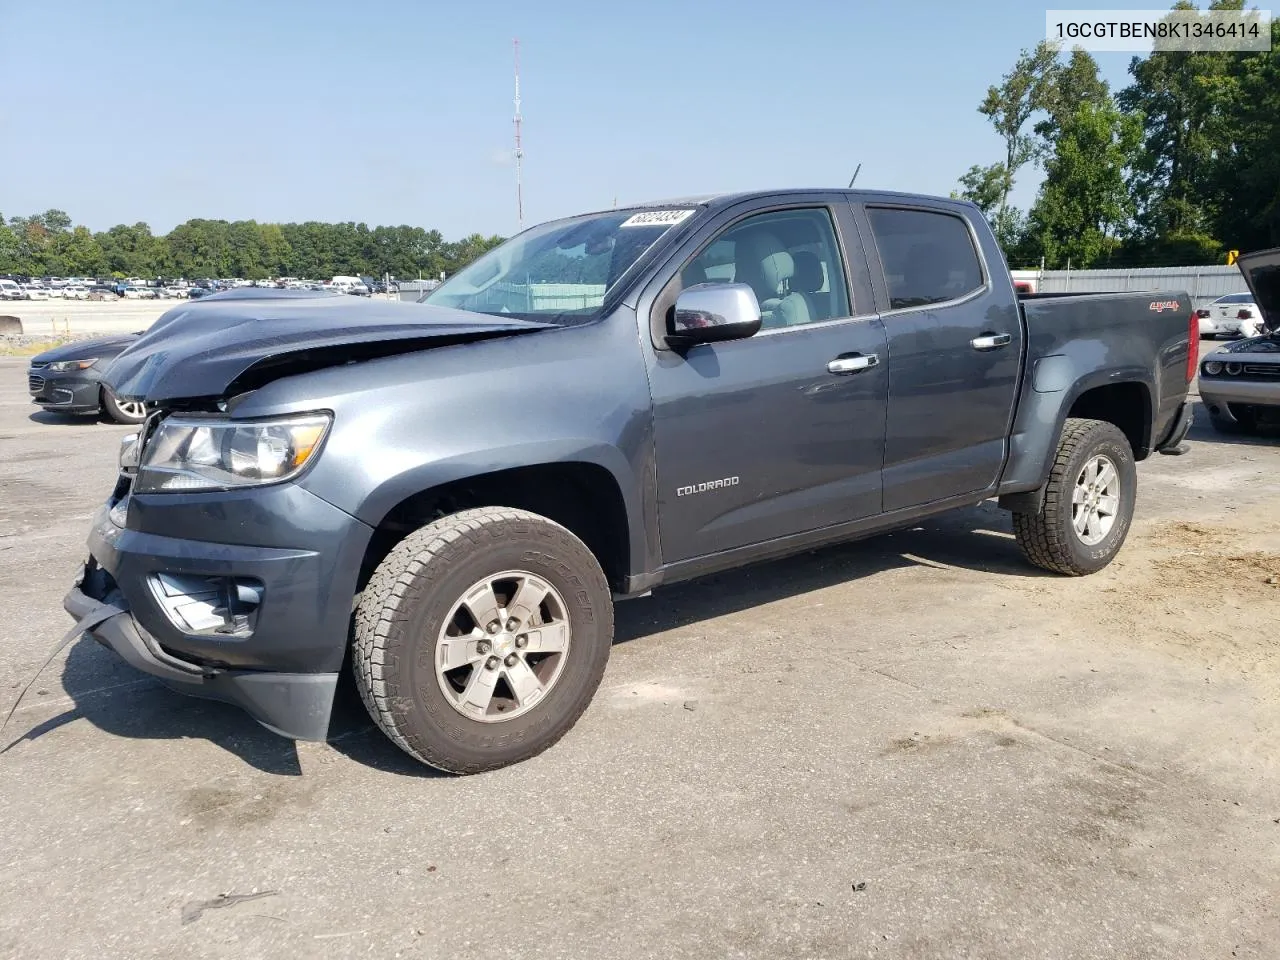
481	638
1088	503
123	411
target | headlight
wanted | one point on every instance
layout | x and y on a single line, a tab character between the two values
1212	368
195	454
1233	369
62	366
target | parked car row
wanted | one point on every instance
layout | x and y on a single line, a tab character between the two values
12	288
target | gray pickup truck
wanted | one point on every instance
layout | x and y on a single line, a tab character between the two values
453	493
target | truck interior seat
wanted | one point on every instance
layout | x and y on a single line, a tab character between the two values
804	304
752	248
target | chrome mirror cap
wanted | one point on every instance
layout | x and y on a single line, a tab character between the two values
712	312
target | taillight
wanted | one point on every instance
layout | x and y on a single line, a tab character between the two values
1193	346
1202	312
1243	315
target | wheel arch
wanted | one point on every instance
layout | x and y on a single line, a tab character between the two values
580	493
1124	398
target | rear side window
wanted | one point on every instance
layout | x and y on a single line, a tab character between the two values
928	257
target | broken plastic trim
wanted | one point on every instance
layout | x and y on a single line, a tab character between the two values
99	614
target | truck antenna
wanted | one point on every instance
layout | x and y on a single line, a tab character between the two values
855	175
519	148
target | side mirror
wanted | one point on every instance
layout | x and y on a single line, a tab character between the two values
711	312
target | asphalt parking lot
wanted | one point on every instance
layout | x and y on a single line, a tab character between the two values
916	746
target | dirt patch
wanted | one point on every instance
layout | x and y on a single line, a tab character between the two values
1196	556
917	743
1232	571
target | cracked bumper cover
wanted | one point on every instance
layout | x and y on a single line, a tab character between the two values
283	671
294	705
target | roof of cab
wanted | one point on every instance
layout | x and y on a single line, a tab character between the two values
730	197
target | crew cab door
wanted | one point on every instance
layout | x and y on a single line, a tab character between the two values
955	349
781	432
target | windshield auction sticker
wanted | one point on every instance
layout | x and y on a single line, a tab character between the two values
1147	31
656	218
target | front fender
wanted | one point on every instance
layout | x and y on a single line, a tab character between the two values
415	478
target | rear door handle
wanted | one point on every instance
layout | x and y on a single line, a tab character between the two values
854	364
991	341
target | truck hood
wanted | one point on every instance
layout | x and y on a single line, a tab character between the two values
235	341
1262	273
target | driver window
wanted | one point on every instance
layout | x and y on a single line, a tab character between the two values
791	260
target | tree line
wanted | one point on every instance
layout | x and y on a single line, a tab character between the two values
47	244
1177	168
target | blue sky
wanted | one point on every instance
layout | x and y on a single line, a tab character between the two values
400	112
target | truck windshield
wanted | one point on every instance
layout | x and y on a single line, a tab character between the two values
559	272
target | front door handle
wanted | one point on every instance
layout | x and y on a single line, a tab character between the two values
854	364
991	341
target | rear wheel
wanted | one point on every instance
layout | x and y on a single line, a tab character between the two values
1088	503
123	411
481	638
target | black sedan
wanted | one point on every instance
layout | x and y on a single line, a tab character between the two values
68	379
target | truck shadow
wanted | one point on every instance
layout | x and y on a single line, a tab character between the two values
124	703
976	539
63	419
1202	430
118	700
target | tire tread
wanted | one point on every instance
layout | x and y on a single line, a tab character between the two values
1042	540
397	583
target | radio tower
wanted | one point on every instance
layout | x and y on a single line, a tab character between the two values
519	149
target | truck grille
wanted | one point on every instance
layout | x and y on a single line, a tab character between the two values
35	384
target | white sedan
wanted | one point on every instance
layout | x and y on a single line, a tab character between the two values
75	292
35	291
1235	315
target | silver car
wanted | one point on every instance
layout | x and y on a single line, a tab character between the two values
1240	382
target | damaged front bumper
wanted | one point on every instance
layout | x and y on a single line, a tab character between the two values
294	705
255	624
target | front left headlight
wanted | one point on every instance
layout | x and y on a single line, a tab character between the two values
62	366
188	454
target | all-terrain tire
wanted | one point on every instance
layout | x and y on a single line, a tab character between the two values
128	413
1048	539
403	609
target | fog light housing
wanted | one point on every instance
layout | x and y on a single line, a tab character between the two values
209	606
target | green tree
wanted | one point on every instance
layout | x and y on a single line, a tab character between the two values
984	186
8	249
1084	207
458	255
1241	183
1177	93
1063	90
77	253
1010	105
132	251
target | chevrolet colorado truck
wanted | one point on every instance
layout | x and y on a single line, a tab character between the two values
451	494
